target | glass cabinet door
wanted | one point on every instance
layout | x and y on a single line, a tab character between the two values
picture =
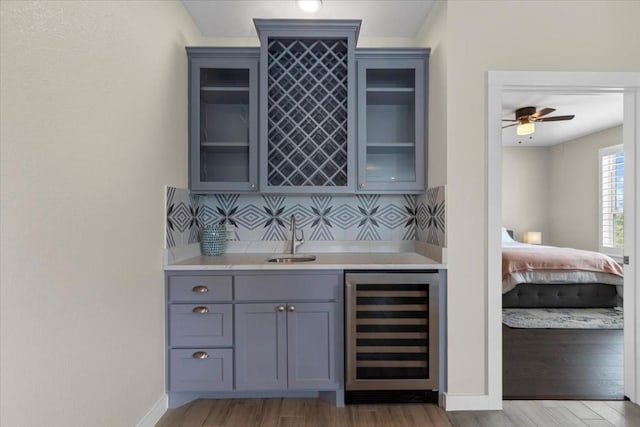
391	136
223	128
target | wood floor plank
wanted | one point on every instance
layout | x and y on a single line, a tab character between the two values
581	411
341	417
391	415
565	417
598	423
418	416
516	415
245	412
271	409
437	415
463	419
220	410
293	407
196	414
627	409
317	412
608	413
537	413
173	417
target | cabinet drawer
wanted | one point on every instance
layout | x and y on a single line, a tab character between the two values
201	369
287	287
192	325
200	288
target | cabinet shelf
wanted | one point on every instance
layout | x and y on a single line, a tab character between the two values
209	144
225	97
224	88
390	89
391	144
399	98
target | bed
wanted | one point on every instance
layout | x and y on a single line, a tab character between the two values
548	276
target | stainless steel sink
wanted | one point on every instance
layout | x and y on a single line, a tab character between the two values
292	258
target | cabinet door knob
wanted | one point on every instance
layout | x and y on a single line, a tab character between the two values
200	309
292	308
280	308
200	355
362	185
200	289
253	186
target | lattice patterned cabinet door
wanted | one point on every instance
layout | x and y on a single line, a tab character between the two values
308	99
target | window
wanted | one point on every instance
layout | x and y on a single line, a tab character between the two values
611	225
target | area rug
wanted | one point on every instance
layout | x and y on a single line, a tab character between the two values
563	318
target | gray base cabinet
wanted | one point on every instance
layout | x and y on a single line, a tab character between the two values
253	332
288	346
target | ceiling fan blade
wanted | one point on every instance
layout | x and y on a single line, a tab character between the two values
508	126
543	112
509	120
555	118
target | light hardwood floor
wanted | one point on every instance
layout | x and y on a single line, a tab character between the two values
552	413
300	413
317	413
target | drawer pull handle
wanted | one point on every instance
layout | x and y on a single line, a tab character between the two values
292	308
201	310
280	308
200	355
200	289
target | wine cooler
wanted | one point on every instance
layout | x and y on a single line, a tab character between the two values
391	332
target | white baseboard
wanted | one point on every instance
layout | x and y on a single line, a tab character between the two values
155	413
470	402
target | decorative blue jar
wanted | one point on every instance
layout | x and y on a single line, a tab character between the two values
214	240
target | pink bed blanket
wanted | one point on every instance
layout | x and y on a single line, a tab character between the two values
553	258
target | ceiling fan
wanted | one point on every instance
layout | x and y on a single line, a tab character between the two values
525	118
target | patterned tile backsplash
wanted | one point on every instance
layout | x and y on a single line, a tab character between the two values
266	217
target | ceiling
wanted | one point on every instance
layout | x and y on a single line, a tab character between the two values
403	19
234	18
593	113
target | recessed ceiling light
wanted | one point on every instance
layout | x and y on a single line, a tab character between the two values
309	6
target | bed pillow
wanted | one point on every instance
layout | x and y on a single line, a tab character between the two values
505	236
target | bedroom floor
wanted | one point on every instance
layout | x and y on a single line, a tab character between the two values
580	364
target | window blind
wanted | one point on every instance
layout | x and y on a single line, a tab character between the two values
611	199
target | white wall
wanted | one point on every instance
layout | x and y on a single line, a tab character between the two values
573	190
94	123
487	35
525	190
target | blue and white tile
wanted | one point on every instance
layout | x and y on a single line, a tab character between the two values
182	217
430	217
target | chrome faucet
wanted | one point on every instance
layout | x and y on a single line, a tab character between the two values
295	241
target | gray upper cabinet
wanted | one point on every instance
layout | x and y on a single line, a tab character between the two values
392	119
307	105
223	119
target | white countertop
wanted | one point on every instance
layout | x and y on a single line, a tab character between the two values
324	261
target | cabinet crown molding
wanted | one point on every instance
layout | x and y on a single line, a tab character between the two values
310	27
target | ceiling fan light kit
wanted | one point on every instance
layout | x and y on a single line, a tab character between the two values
525	118
525	128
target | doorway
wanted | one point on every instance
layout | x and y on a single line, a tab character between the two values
553	347
502	82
